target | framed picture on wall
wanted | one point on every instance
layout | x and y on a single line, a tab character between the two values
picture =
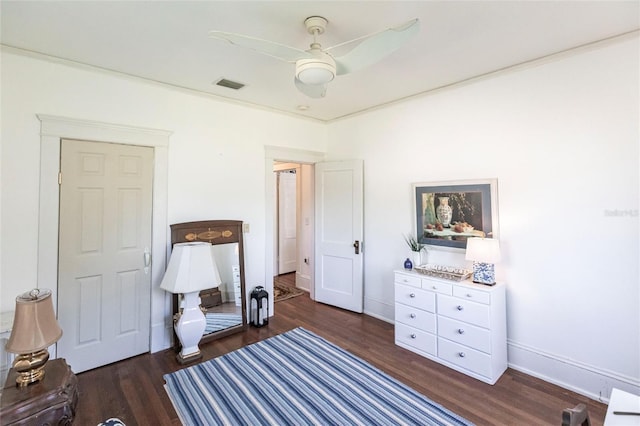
447	213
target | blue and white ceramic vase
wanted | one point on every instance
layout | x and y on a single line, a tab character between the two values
407	264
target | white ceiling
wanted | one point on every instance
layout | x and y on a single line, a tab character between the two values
167	41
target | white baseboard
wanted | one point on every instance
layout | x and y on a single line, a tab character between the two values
380	310
303	282
161	336
588	380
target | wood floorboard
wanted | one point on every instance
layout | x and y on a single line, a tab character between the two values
133	389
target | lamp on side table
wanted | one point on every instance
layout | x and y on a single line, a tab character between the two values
35	328
28	397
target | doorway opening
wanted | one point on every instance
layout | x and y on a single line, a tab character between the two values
293	229
306	158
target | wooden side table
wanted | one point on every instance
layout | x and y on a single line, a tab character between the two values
51	401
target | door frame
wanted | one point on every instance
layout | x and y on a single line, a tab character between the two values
286	155
52	130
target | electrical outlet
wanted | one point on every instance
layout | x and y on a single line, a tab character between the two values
245	228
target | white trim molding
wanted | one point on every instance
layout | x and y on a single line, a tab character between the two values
277	153
52	130
588	380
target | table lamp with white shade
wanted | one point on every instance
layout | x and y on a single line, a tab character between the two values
484	252
191	269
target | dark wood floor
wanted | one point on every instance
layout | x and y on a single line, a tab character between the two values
286	279
133	389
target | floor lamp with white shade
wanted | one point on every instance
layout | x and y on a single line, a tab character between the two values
192	268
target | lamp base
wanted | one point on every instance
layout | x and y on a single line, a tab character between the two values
484	273
30	367
192	357
190	328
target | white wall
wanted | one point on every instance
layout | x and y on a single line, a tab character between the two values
562	139
216	154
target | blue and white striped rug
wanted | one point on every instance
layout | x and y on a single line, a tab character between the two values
217	322
297	378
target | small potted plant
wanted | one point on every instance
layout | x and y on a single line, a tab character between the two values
416	248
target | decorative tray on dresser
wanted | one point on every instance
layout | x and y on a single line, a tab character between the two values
459	324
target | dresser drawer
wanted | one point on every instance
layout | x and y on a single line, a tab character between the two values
418	339
437	286
411	280
415	297
463	310
465	357
472	294
416	318
467	334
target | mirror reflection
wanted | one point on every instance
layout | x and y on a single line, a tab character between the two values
223	305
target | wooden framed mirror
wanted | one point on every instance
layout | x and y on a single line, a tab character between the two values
226	306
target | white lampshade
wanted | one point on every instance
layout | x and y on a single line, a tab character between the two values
485	250
191	268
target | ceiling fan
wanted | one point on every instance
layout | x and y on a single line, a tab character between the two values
316	66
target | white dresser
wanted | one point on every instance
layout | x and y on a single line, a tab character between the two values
459	324
237	290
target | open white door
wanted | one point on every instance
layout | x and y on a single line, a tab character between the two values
287	222
338	234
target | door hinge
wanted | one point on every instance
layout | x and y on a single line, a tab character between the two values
59	178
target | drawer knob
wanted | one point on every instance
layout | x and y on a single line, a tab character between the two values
435	287
461	354
460	331
459	307
413	335
412	295
412	315
469	295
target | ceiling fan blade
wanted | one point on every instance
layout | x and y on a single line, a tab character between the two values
312	90
265	47
374	47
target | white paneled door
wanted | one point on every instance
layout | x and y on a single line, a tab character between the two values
338	235
287	208
104	278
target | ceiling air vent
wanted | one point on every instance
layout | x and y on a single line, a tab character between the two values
230	84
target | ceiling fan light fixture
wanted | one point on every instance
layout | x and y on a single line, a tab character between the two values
314	71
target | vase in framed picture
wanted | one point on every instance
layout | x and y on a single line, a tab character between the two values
429	209
444	212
